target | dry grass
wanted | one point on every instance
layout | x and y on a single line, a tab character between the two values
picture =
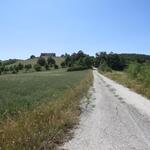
135	85
46	126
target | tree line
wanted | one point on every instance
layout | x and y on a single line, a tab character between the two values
78	61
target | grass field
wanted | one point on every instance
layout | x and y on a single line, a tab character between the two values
22	92
51	104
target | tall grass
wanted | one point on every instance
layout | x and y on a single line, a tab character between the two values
46	126
136	77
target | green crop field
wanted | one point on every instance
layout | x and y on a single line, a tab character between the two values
23	92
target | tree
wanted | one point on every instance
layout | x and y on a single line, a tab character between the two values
115	62
88	62
28	66
51	61
6	69
68	60
37	67
20	66
41	61
2	68
56	66
63	65
11	68
32	57
47	66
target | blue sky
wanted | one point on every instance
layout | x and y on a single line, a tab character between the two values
34	26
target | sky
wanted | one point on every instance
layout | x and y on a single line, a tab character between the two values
33	26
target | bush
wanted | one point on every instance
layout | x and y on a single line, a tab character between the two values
47	67
6	69
51	61
2	68
11	68
56	66
20	66
28	66
63	65
104	67
14	71
77	68
133	70
41	61
16	68
144	75
37	67
32	57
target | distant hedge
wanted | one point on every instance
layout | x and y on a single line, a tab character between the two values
77	68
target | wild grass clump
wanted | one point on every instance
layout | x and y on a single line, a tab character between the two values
136	77
46	126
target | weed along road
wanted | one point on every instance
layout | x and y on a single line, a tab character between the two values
115	119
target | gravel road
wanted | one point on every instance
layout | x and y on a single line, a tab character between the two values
115	119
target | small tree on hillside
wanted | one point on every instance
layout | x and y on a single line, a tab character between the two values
28	66
20	66
47	67
41	61
63	65
51	61
37	67
32	57
11	68
56	66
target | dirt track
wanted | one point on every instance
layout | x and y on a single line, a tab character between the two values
116	119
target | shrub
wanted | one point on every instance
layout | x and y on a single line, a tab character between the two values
56	66
6	69
28	66
133	70
51	61
63	65
104	67
11	68
32	56
47	67
77	68
37	67
16	68
41	61
20	66
2	68
14	71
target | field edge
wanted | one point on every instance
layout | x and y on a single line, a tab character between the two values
46	126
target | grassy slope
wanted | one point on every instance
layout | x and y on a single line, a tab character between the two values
135	85
46	126
34	61
25	91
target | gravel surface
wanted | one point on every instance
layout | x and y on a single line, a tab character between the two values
114	119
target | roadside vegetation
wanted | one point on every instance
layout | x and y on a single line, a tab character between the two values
131	70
